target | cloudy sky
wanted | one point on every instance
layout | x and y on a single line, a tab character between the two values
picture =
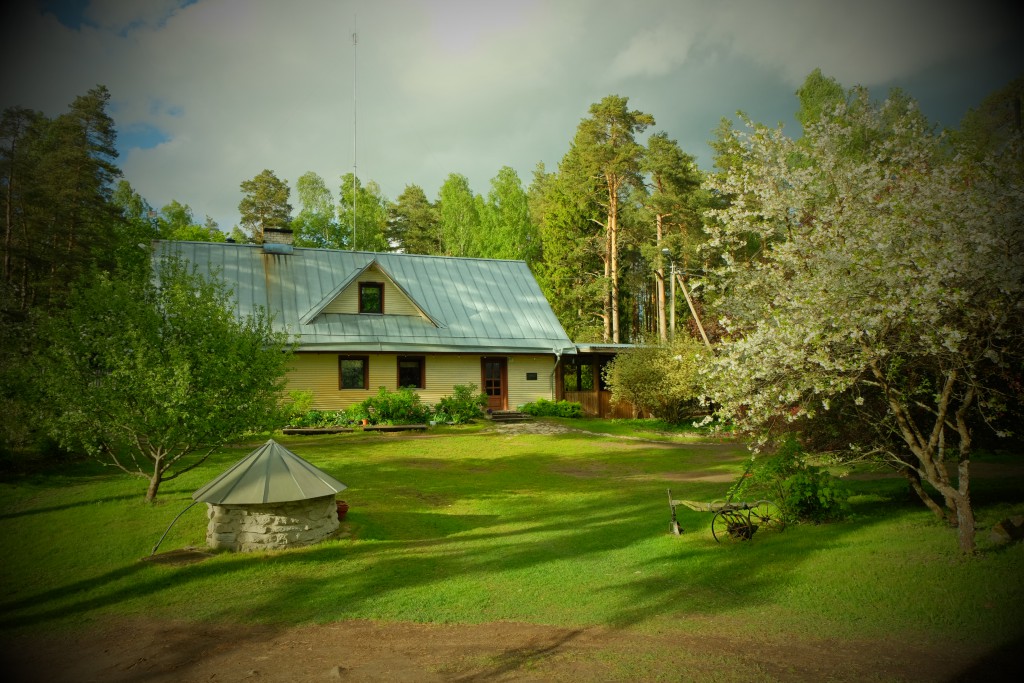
208	93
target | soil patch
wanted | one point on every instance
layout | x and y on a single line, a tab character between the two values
122	651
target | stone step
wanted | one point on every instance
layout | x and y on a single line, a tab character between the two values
510	416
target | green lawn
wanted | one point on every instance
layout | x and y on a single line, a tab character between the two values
470	527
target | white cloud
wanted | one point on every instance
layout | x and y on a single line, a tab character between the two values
652	52
242	85
868	42
119	16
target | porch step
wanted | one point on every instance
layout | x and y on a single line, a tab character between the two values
507	416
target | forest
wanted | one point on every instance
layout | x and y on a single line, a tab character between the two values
601	232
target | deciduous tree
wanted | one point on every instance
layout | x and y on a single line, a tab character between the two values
315	224
890	273
363	214
662	379
507	232
151	376
458	217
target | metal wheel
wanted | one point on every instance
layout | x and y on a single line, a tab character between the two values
766	515
730	525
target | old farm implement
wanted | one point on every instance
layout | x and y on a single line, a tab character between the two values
731	521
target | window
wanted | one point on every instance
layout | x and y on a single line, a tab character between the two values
412	372
371	297
578	376
353	372
602	362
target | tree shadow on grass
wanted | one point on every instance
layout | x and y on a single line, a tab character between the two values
541	545
66	506
531	531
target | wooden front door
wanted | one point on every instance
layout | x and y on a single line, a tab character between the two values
494	379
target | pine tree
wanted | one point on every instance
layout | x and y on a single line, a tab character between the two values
265	205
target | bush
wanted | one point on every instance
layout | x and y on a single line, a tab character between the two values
395	407
318	418
660	379
465	404
545	408
803	492
296	406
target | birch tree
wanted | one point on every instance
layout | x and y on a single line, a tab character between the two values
890	272
458	217
315	225
507	232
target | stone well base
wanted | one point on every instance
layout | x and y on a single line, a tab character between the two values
271	525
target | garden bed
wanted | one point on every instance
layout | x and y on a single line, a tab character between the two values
309	431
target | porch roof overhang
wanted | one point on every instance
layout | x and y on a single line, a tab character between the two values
604	348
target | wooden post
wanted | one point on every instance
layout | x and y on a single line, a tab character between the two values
693	310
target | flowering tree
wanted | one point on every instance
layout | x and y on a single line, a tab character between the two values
872	262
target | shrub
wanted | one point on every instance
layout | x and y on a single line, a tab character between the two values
804	492
661	379
465	404
318	418
297	404
395	407
545	408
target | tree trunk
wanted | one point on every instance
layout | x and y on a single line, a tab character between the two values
607	288
965	518
613	241
154	486
914	480
659	276
964	511
926	449
154	480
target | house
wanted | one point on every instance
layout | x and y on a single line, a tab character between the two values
366	320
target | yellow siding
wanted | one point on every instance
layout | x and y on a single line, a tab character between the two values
395	302
522	390
318	373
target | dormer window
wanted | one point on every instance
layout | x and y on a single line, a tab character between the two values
371	297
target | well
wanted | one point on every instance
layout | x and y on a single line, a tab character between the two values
270	499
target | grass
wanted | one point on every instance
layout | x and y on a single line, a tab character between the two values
648	428
474	526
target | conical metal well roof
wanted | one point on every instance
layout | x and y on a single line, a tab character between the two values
270	474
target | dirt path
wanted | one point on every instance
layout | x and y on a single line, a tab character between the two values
158	652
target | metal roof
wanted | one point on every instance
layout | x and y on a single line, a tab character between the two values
597	347
470	305
270	474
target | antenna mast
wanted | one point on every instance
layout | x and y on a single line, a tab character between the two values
355	112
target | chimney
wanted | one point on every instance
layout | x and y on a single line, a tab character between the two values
277	240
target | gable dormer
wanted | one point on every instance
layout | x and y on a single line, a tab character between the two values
370	291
